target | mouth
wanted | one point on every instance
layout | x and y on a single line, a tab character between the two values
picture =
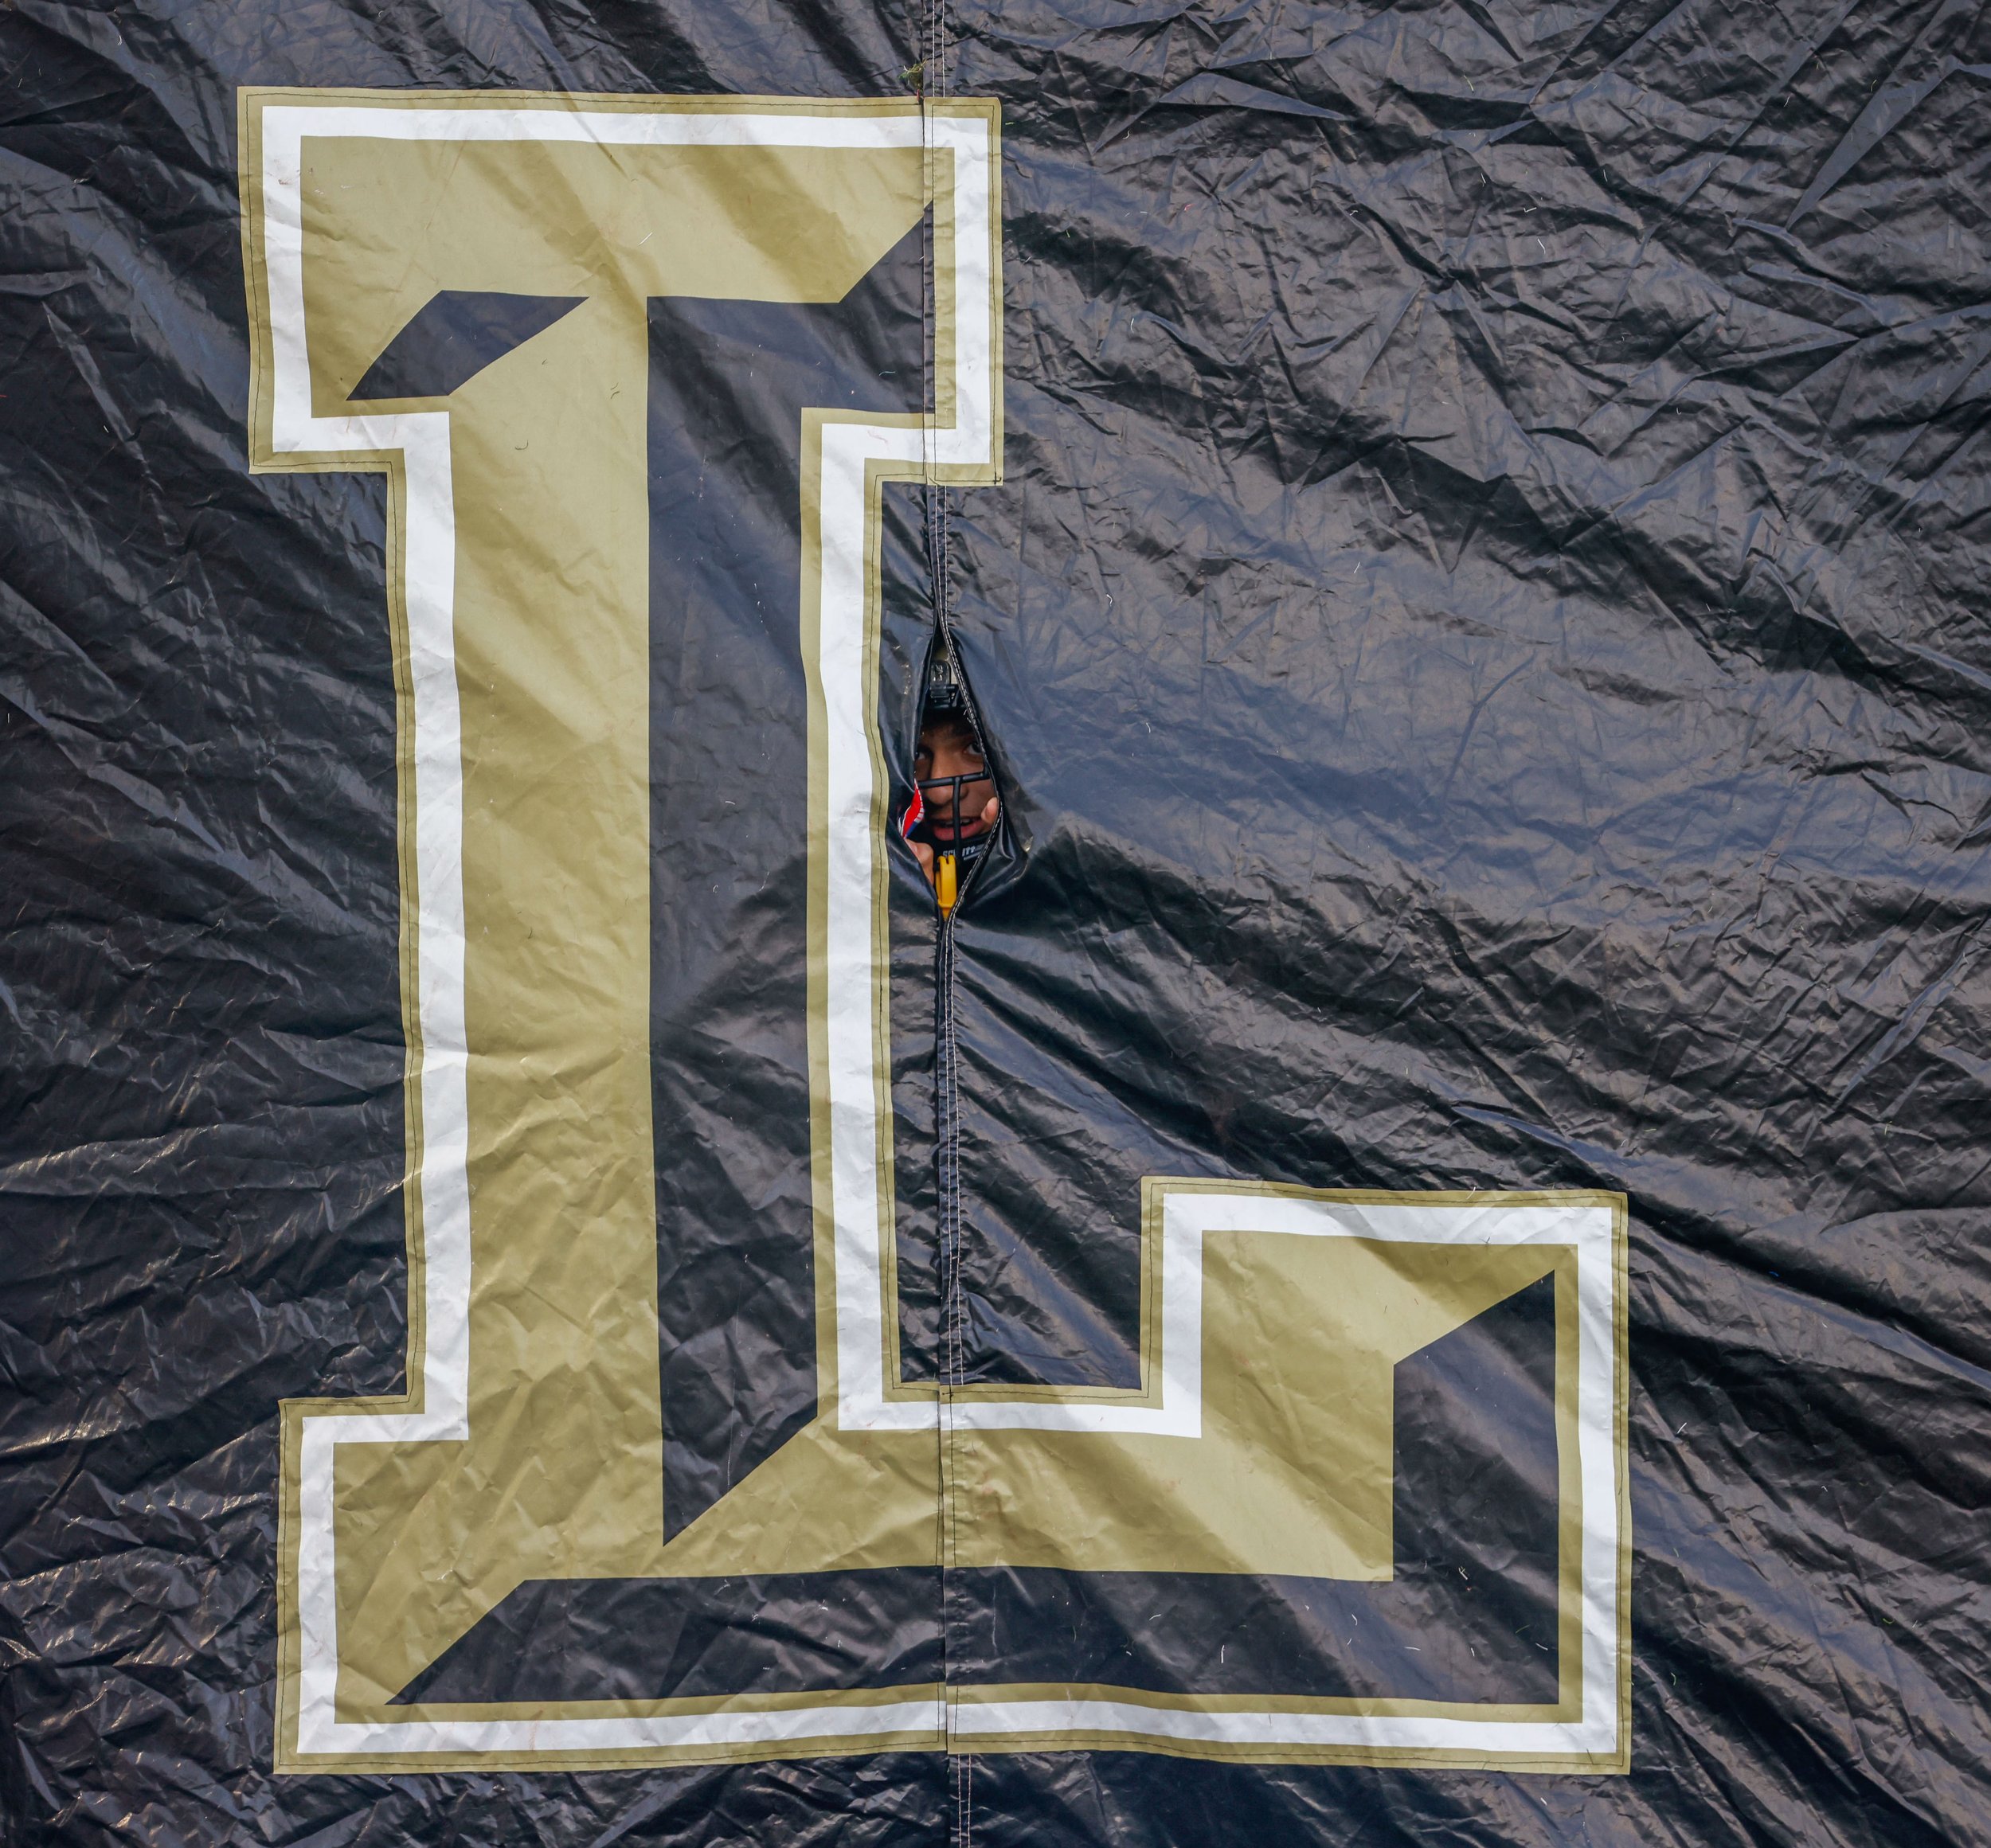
946	833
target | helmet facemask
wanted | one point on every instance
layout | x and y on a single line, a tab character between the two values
948	812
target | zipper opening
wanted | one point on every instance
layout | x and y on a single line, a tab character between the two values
952	1357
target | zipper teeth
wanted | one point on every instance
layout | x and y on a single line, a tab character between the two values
952	1358
947	1104
953	1307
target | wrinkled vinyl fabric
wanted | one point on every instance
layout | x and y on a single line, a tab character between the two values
1481	635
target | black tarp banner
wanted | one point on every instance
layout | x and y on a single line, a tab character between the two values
1409	1262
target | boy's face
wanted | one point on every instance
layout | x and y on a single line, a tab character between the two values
947	748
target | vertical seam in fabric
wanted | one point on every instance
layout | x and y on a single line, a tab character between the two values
953	1355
